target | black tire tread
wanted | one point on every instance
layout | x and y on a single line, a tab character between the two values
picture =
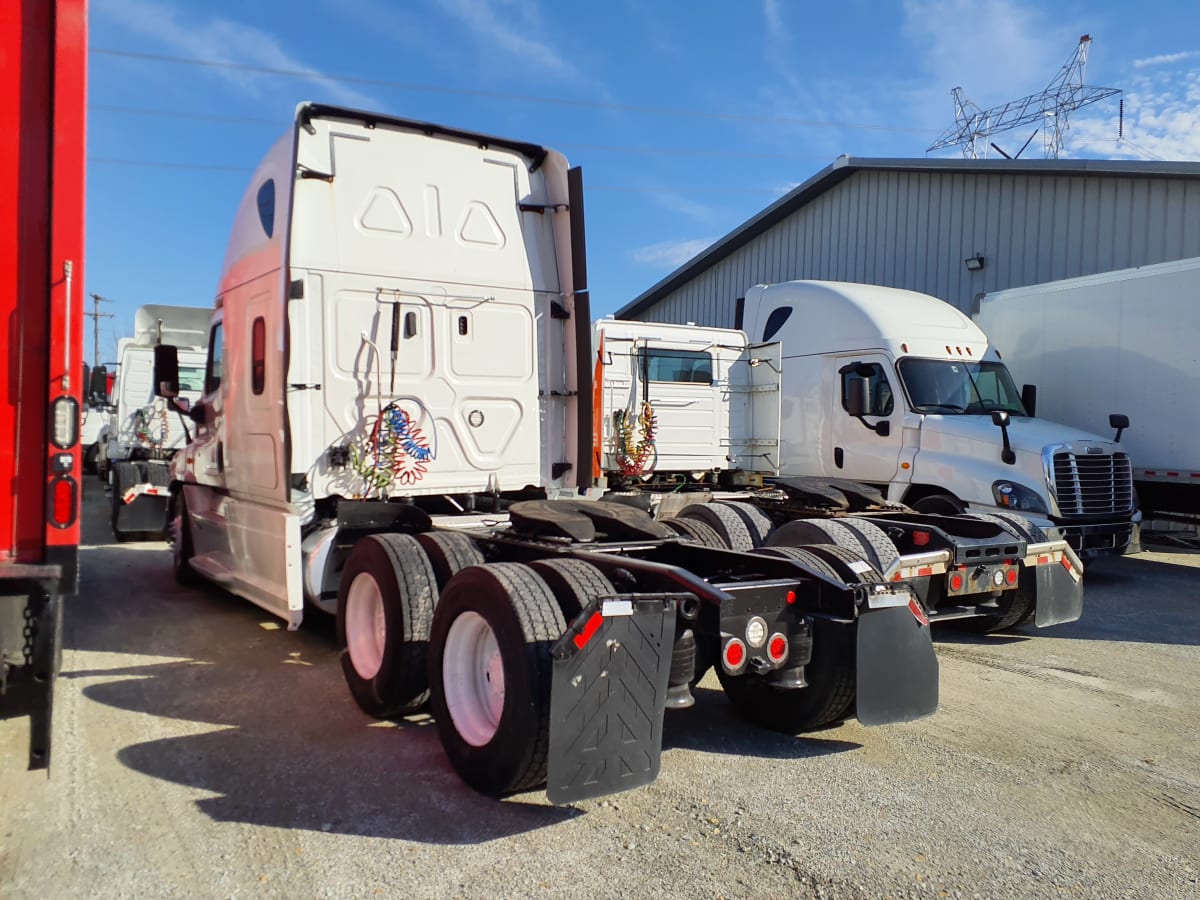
574	583
757	522
449	552
726	522
406	687
882	552
699	530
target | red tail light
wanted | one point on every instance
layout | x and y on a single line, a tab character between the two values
734	656
1011	576
920	538
63	502
777	648
956	582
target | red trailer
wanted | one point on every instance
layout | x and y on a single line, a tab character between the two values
43	93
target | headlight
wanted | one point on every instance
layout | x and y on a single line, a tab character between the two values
1011	495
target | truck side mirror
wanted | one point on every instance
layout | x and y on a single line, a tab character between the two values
166	371
858	402
1029	398
1119	422
1000	420
98	385
858	398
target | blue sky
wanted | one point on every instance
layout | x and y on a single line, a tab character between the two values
687	117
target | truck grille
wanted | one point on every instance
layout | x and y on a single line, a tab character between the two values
1093	484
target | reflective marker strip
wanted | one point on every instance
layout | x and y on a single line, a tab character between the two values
612	608
134	492
919	614
588	630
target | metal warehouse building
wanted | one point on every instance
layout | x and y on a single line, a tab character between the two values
954	228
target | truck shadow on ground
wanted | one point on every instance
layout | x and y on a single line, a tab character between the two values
321	767
711	726
283	744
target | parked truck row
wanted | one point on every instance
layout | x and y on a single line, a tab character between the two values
400	426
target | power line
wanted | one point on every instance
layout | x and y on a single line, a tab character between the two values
600	148
624	188
310	75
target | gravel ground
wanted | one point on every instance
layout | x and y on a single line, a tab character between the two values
203	751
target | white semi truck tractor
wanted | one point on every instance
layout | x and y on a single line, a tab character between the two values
395	430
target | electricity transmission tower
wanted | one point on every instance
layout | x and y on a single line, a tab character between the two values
1049	110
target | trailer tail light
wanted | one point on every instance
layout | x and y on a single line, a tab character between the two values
1011	576
956	582
733	656
63	503
777	648
791	597
64	419
920	538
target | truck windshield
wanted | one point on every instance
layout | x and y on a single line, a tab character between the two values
959	388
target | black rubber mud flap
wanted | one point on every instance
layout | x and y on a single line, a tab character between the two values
897	668
607	698
1059	593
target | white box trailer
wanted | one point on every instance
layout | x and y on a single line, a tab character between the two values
401	336
1117	342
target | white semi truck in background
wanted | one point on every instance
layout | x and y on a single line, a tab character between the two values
142	434
1123	340
396	429
901	390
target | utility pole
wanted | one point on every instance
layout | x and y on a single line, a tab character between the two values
96	316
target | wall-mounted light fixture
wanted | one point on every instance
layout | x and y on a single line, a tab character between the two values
974	263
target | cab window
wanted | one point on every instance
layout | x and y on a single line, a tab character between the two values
212	379
677	366
879	392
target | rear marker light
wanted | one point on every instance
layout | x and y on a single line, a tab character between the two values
734	655
1011	576
791	597
920	538
956	582
777	648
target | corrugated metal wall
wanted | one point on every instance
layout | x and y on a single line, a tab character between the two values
914	229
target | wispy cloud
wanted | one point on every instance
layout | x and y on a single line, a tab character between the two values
1162	120
510	26
222	40
678	203
670	253
1165	59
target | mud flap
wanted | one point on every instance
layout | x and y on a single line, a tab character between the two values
1059	591
607	698
897	668
142	512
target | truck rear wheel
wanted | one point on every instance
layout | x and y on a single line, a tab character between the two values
490	673
881	552
182	549
724	521
694	528
384	614
449	551
574	583
802	532
757	522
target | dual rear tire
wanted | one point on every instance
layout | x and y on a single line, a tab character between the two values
422	619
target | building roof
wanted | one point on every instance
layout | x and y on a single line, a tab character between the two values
845	166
